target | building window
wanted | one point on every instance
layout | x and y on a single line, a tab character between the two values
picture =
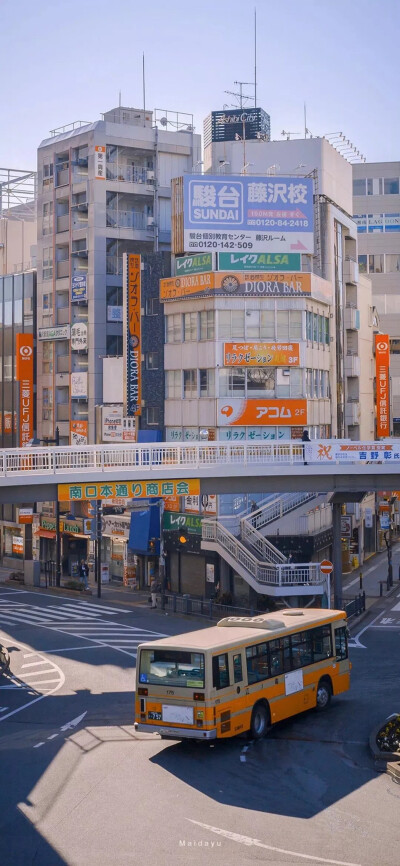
190	384
207	325
232	382
231	324
153	415
189	327
48	174
282	325
362	264
376	264
114	345
296	325
114	296
47	225
395	347
47	358
47	263
173	328
47	404
261	382
207	383
359	187
173	385
267	325
392	263
152	306
391	186
152	361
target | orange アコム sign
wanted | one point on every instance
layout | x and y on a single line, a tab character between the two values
241	354
24	375
264	412
382	359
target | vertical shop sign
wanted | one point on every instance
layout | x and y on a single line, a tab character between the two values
382	359
133	347
24	375
78	433
100	162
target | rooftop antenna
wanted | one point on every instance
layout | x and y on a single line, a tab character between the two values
240	96
144	87
119	101
255	57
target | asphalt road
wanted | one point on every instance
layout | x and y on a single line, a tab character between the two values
79	787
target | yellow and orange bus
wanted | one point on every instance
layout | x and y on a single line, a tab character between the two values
243	674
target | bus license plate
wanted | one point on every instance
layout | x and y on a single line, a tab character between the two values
156	717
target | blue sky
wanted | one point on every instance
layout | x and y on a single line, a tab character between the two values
65	60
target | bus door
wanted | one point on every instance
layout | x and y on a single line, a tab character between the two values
222	693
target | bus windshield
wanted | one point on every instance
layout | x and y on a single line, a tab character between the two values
172	668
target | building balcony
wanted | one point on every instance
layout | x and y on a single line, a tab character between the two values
62	177
351	318
63	223
62	269
352	364
130	174
351	270
129	219
352	412
62	412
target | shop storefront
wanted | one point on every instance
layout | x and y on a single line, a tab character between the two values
114	550
12	545
189	569
74	542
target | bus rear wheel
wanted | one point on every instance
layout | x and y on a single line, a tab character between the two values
324	694
259	721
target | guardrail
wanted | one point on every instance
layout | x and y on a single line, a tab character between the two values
106	458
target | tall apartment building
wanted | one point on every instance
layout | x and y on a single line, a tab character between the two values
331	321
376	208
103	190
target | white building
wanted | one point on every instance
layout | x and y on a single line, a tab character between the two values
103	190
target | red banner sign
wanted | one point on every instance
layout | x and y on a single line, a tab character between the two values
24	375
382	359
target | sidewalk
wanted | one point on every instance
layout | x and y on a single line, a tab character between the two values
373	571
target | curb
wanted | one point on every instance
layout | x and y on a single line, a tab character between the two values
393	770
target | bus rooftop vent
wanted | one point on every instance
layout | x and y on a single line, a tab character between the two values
251	622
292	612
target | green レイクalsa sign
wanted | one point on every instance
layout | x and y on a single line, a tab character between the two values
259	261
173	520
196	264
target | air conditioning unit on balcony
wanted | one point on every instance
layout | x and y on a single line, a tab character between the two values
150	175
150	221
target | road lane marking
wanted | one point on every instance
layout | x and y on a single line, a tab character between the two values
38	745
249	841
59	682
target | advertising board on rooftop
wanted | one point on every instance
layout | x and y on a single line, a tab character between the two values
247	213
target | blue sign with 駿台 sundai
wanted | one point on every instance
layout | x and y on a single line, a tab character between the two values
238	212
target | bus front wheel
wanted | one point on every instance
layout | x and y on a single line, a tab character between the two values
324	694
259	721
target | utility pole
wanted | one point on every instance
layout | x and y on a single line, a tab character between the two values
99	512
56	442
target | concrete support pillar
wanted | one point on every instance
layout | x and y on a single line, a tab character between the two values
224	581
337	554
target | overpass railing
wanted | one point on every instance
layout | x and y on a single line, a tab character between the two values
106	458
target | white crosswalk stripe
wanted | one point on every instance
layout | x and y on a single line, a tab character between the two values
81	621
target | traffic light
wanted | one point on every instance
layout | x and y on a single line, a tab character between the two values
152	545
183	539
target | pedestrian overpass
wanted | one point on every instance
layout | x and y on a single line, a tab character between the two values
343	467
346	469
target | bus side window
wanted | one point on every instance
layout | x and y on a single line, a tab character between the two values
341	643
220	671
237	668
322	643
275	658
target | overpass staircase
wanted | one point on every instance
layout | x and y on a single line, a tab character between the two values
241	543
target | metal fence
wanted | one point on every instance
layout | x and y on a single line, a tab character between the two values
208	608
354	606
